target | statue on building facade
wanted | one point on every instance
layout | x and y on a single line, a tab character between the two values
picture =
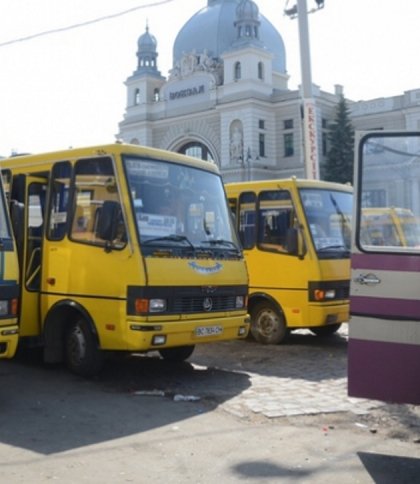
193	62
236	146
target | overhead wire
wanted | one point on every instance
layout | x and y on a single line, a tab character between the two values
85	23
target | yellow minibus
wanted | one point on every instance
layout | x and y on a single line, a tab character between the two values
295	235
124	248
9	288
389	226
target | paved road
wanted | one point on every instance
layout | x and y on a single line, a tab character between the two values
308	376
238	411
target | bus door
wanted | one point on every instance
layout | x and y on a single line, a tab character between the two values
29	198
384	329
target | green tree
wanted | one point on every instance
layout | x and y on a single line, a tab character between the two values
339	163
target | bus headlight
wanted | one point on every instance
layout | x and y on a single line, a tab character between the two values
240	302
4	307
323	295
157	305
144	306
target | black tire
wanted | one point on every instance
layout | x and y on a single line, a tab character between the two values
177	354
268	325
83	356
326	330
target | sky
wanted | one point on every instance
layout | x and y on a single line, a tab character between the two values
66	88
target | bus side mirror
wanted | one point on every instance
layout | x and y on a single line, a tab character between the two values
108	217
292	241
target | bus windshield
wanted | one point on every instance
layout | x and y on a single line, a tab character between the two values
179	209
328	214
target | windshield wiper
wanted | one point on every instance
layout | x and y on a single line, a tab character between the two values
334	247
170	238
228	243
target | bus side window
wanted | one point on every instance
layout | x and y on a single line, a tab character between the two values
247	219
59	200
275	220
95	185
36	204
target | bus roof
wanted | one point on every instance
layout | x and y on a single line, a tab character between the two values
103	150
286	183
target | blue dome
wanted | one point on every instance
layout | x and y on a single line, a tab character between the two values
212	29
147	42
247	9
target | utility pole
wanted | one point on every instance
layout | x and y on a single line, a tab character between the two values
310	133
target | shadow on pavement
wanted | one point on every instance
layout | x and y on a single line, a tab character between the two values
390	469
262	470
49	410
304	356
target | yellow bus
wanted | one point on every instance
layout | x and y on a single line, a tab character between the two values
124	248
9	288
295	235
389	226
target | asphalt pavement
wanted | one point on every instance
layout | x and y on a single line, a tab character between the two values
235	412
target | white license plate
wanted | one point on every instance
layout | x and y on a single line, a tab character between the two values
208	330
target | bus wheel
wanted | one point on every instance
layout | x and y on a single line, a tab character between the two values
326	330
179	353
83	356
268	325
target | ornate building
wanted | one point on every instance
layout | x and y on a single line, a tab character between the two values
226	98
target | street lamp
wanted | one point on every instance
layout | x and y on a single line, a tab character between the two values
310	136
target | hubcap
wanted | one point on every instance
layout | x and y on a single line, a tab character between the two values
77	345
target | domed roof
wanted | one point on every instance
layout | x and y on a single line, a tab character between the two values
247	9
212	29
147	42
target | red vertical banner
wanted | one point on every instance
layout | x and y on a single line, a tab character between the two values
310	139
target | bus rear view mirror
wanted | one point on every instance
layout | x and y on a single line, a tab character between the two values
292	241
108	218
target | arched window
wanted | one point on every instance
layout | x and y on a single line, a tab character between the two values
197	150
137	97
156	94
237	74
260	70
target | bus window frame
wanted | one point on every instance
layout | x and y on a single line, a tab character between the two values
365	248
105	245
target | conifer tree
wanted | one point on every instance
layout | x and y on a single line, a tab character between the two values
339	163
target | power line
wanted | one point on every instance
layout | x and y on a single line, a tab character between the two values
83	24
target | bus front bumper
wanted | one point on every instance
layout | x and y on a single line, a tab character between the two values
148	336
318	315
8	341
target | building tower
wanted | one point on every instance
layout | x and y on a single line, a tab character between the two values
143	87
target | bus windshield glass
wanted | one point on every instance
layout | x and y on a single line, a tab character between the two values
179	209
328	214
